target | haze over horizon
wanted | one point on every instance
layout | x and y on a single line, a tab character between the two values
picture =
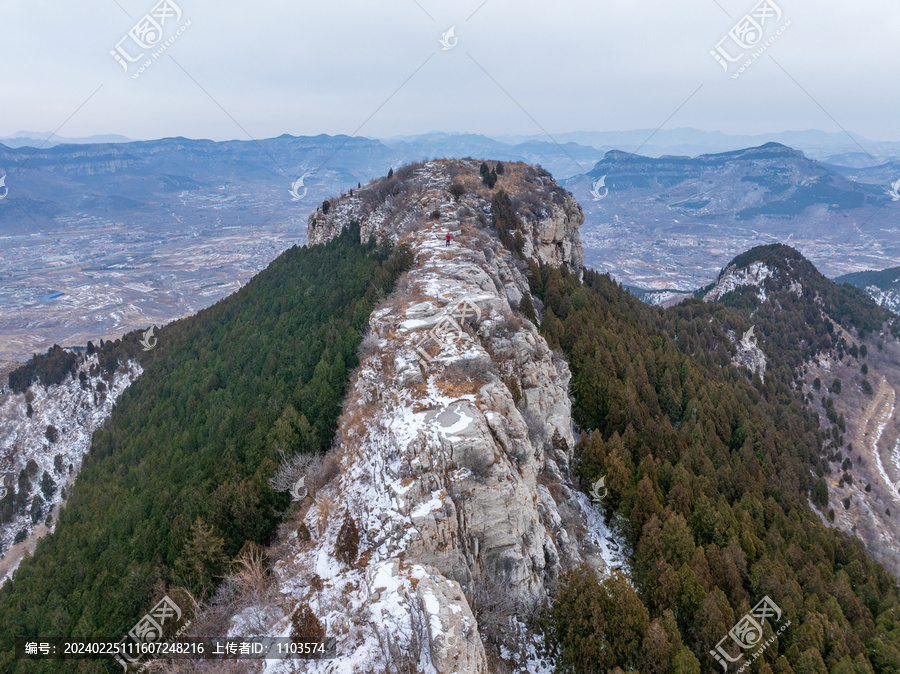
234	73
508	138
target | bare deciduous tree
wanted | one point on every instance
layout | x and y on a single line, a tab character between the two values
291	469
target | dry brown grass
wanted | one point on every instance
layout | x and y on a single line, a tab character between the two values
432	348
325	506
250	574
418	389
458	388
305	624
420	406
354	424
322	470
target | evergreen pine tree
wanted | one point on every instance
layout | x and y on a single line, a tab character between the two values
526	307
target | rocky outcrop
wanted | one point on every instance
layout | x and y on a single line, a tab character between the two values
322	227
734	278
549	215
454	447
749	355
552	236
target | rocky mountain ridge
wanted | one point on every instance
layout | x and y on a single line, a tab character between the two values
453	446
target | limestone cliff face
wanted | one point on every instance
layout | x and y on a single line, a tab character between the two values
454	447
553	236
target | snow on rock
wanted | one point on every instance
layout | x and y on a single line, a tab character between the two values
662	298
75	411
454	446
549	233
749	355
752	275
895	460
888	298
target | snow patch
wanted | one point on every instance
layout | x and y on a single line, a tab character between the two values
610	547
752	276
75	410
895	453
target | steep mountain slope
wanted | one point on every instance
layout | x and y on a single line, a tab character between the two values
453	460
45	430
841	350
883	286
175	484
709	473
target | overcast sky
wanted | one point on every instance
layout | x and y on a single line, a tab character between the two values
378	68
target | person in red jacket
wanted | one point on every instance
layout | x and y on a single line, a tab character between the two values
448	238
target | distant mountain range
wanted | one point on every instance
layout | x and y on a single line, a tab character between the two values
561	153
193	218
161	184
770	180
837	148
124	180
164	181
673	220
38	139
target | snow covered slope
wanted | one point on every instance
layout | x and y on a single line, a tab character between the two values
44	433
